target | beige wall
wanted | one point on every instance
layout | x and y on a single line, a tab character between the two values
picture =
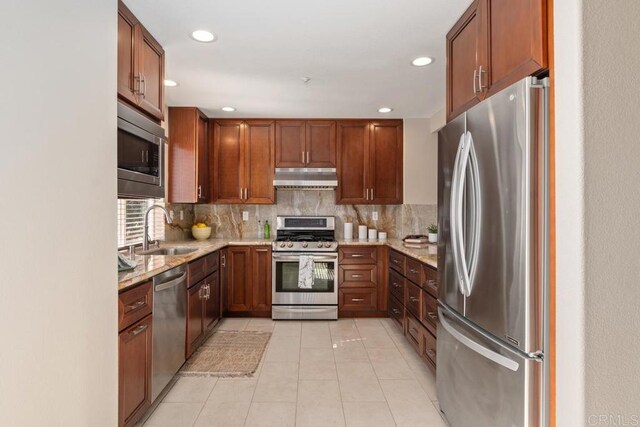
58	312
420	163
598	237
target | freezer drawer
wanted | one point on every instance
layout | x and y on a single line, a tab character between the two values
481	383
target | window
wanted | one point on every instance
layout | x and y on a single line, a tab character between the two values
131	221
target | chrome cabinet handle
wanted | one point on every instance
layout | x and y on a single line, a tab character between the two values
136	305
199	191
413	271
395	261
138	330
413	331
144	86
356	255
357	276
224	261
367	195
303	161
432	315
371	193
308	157
413	299
475	79
480	87
430	353
357	299
431	282
395	285
396	311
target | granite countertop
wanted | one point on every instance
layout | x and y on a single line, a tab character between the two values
428	255
152	265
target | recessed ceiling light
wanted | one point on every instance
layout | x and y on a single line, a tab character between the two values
203	36
422	61
170	83
385	110
228	109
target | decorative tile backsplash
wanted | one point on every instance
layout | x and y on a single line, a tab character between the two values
226	220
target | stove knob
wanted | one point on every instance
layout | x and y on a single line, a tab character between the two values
305	244
319	244
282	244
290	244
327	245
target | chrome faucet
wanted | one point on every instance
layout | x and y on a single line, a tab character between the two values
145	240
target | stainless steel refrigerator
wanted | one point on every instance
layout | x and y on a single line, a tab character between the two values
493	261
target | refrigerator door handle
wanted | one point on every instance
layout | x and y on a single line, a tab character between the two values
453	219
474	212
481	350
457	208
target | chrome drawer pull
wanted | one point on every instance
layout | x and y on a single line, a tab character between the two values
136	305
432	315
356	255
357	299
413	299
396	311
413	331
431	282
430	353
413	271
357	276
138	330
395	285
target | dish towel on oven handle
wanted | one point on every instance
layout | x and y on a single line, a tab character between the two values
305	272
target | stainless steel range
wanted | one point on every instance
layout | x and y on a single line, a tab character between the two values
305	265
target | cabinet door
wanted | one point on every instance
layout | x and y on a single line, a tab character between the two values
212	302
321	143
194	316
202	158
261	271
466	51
228	166
290	144
386	168
353	162
134	371
259	162
238	278
151	66
127	59
517	41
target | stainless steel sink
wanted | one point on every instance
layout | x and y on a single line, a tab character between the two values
169	251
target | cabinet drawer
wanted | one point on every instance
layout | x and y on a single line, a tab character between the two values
413	331
211	263
412	298
397	261
357	276
358	299
396	285
414	271
134	304
429	312
428	348
357	255
396	311
197	271
429	280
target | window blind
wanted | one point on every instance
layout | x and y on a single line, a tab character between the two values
131	221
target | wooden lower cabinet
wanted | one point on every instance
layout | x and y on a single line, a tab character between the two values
195	314
362	282
247	280
211	304
203	300
413	303
134	371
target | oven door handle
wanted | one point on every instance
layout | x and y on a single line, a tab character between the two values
297	257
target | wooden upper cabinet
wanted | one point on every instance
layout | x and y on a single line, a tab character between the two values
188	156
386	162
353	162
493	45
261	278
228	161
290	144
140	66
466	51
152	75
238	278
259	162
517	41
127	58
243	161
320	144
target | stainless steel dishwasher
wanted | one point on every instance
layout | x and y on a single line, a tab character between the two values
169	327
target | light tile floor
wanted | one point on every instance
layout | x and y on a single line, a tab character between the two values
350	372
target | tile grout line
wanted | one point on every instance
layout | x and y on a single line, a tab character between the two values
261	366
335	364
376	374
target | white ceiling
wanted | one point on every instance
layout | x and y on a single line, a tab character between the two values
356	52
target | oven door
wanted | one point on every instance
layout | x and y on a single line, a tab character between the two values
324	290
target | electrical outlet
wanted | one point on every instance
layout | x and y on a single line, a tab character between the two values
181	215
374	215
245	215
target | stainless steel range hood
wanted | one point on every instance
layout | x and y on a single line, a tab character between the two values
306	178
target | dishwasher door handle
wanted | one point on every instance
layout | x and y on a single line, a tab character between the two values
171	283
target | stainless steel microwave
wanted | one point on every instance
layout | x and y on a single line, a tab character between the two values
141	153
